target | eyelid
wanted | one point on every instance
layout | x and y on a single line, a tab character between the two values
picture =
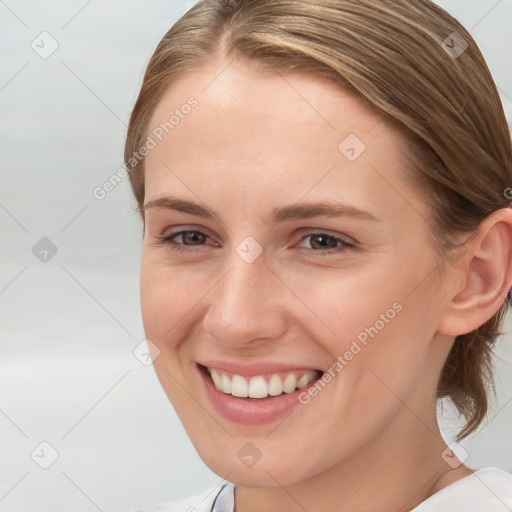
185	228
346	243
166	236
342	246
316	231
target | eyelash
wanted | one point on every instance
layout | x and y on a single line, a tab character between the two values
168	240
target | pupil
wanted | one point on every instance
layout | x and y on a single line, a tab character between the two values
193	238
323	242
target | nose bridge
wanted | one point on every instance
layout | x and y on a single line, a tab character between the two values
243	305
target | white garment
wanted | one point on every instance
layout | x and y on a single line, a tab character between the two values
485	490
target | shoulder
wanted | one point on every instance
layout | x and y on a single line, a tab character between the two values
203	502
485	490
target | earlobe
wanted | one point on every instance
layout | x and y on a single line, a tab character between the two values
487	268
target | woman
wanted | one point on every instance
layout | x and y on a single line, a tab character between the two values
327	249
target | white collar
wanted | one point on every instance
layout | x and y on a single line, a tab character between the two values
225	500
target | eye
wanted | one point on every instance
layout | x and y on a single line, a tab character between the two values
183	240
320	244
325	244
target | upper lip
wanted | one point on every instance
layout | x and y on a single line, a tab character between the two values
254	368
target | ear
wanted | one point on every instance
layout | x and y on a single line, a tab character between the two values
486	276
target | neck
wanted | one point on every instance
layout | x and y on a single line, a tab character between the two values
395	471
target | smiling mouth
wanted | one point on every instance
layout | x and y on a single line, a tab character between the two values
263	386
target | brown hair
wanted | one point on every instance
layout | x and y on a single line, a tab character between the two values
404	60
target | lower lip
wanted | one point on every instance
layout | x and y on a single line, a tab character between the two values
250	411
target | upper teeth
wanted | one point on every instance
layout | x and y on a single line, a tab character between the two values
257	386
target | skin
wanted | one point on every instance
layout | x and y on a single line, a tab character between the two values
258	141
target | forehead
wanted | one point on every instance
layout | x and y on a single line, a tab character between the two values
245	96
253	131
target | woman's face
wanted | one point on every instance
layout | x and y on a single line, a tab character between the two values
282	237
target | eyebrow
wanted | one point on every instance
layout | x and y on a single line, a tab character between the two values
296	211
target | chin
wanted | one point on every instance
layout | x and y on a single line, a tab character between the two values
235	465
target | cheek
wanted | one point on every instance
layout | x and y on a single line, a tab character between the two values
369	318
167	299
340	303
167	296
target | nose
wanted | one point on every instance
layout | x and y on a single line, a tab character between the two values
246	307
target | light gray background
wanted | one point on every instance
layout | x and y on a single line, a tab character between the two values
68	374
